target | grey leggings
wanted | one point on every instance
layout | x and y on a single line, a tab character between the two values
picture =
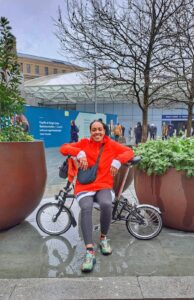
104	199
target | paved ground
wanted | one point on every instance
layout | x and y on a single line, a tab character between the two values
44	267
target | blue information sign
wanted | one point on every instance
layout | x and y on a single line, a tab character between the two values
53	125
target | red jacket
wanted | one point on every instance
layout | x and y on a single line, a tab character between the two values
112	150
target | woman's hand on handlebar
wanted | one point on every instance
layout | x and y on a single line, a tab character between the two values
83	163
113	171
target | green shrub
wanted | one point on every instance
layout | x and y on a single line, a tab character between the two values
158	156
14	134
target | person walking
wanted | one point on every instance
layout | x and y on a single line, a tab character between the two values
74	132
170	130
100	190
123	130
153	131
138	133
164	131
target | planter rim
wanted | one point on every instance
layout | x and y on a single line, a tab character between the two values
172	168
24	142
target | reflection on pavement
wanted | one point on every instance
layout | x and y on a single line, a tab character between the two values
60	254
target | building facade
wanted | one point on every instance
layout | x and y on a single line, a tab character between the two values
32	66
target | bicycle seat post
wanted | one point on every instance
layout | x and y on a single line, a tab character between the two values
124	180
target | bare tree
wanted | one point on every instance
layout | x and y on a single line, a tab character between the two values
126	41
182	64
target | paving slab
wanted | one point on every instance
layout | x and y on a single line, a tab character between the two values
167	287
98	288
131	288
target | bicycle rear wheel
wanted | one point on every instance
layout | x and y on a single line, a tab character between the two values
144	222
47	221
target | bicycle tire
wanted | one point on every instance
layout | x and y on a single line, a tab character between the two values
45	222
152	223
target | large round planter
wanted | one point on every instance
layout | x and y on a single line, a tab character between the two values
22	180
172	192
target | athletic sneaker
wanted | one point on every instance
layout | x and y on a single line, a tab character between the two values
105	247
89	262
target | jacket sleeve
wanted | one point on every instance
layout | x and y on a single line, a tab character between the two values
123	153
71	149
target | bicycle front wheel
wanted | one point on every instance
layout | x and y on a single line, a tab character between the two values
144	222
50	222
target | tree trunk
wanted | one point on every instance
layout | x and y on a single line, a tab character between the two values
189	118
191	103
145	125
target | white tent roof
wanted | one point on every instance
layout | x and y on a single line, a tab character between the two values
58	79
72	88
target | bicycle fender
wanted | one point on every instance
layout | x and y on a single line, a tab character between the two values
151	206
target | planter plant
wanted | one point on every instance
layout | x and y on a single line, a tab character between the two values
22	160
165	178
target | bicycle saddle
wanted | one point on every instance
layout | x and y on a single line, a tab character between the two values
135	160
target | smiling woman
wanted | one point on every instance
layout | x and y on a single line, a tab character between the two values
110	155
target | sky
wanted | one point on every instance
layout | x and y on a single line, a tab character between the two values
33	27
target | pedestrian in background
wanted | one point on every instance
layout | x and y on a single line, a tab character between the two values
74	132
22	121
153	131
164	131
138	133
170	130
117	132
123	130
130	133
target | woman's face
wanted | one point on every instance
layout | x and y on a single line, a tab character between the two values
97	131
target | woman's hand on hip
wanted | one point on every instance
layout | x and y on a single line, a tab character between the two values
83	163
113	171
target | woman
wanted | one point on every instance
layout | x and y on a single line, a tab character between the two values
100	191
74	132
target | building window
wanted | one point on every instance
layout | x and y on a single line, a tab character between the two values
63	71
37	71
55	71
21	67
28	68
46	70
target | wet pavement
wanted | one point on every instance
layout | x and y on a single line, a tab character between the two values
26	252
